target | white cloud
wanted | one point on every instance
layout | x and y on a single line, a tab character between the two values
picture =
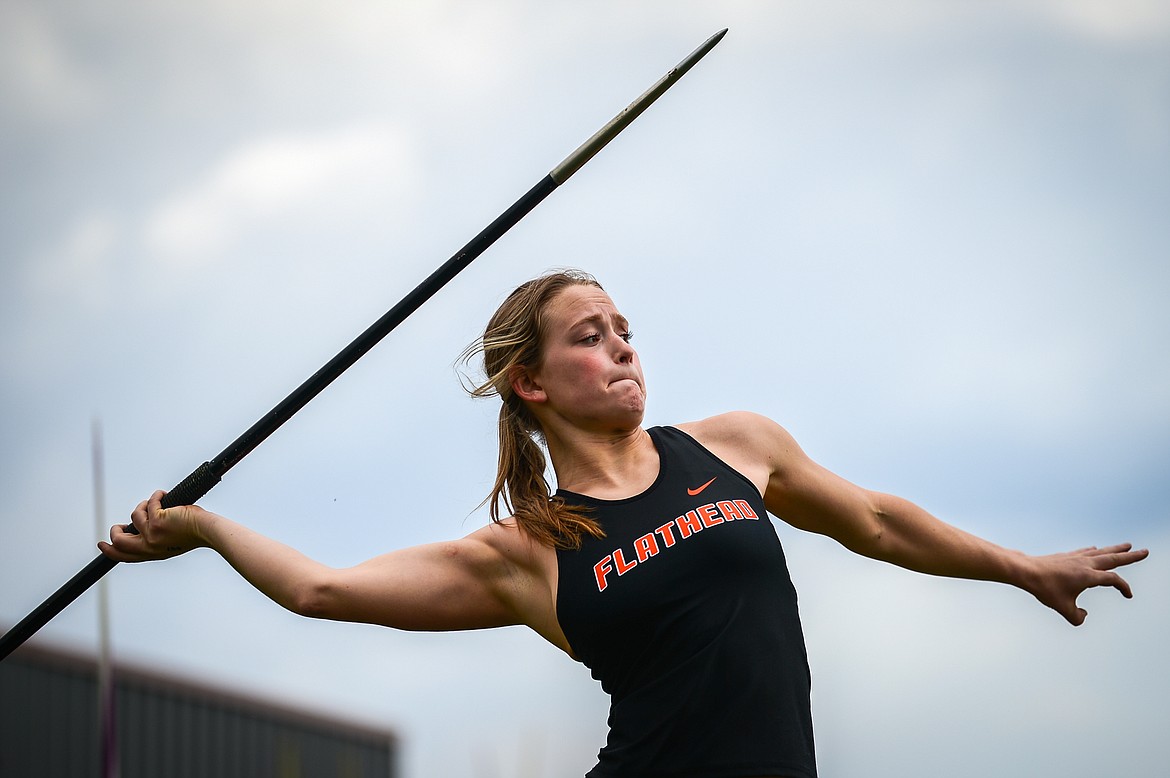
306	179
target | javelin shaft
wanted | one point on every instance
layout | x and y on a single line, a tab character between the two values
207	475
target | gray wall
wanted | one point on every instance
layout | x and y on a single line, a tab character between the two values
167	728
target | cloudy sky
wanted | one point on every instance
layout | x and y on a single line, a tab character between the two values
930	238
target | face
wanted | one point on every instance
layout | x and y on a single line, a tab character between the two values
589	373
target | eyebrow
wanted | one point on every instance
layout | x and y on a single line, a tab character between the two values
622	321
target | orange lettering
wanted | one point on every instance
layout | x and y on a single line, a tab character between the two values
623	567
748	513
665	533
599	571
709	516
646	547
729	510
687	525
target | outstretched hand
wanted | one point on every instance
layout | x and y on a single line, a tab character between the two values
1058	579
162	532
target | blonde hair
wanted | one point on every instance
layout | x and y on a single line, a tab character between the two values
513	339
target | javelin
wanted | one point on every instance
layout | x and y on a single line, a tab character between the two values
207	475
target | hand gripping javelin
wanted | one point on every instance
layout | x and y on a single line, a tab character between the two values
207	475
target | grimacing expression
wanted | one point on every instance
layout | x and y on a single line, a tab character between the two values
588	372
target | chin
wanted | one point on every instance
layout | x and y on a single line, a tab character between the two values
637	413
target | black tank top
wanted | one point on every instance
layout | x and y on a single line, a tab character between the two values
686	614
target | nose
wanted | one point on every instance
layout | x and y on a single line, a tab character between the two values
623	352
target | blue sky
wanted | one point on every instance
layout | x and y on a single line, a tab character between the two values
929	238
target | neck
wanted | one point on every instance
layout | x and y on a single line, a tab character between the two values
606	466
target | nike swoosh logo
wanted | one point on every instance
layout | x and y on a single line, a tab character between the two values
693	492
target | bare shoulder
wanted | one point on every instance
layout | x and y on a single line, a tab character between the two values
749	442
526	575
505	542
503	550
525	567
743	430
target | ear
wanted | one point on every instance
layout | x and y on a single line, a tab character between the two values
526	385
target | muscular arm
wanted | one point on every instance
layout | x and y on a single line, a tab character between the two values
891	529
490	578
452	585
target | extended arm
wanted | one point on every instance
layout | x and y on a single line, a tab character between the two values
891	529
475	582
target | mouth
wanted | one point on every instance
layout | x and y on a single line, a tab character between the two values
634	381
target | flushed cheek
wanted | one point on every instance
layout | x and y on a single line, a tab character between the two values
583	372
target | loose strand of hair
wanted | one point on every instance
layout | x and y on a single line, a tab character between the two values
522	489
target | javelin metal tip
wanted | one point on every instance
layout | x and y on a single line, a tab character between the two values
585	152
700	52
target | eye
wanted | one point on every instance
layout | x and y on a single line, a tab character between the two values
591	338
627	336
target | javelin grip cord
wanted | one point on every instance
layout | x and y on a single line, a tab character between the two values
190	489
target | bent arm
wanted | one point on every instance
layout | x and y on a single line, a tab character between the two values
462	584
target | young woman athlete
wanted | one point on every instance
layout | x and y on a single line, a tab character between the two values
653	563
